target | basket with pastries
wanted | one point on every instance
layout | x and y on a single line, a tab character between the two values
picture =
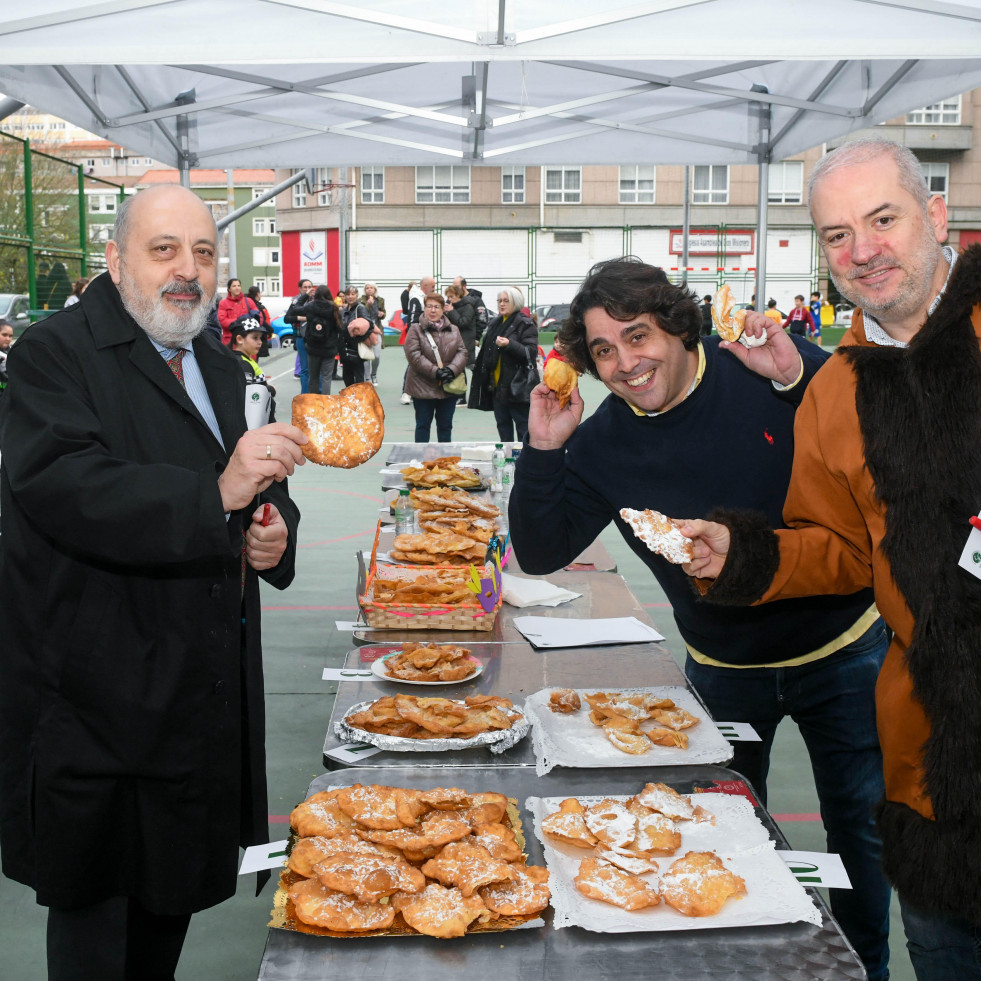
433	597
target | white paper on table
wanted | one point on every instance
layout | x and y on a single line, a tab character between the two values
570	632
773	895
258	858
351	754
521	592
572	740
347	674
738	732
814	869
346	625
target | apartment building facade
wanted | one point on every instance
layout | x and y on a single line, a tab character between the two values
540	228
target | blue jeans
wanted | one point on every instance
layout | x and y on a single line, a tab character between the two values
443	409
833	703
942	948
301	353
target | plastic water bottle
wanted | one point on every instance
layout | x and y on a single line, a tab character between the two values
508	479
404	514
497	477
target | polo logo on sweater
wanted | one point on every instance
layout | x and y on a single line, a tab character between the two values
768	437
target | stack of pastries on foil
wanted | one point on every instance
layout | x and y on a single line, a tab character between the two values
625	839
442	862
409	717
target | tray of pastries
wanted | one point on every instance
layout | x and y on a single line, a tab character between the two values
660	860
376	860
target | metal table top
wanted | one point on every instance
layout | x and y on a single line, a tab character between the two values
788	952
514	671
604	594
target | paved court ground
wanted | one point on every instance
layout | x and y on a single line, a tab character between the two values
339	511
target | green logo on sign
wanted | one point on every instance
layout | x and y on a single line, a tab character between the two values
255	396
976	557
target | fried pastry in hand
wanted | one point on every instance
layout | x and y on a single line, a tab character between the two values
699	884
526	892
568	824
320	816
319	906
612	885
466	866
368	877
438	911
561	378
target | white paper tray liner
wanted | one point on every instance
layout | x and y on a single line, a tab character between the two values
773	895
572	740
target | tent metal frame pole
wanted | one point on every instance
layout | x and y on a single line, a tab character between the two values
263	198
685	225
764	112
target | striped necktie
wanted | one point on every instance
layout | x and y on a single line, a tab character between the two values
176	365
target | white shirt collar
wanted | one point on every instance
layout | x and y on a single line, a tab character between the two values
874	333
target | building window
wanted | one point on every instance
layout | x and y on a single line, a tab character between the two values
786	182
299	192
442	185
257	192
102	203
372	185
260	284
936	176
322	179
258	226
637	184
265	257
563	185
274	287
946	113
512	185
710	185
90	162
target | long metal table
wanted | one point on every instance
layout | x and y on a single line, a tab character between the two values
514	671
789	952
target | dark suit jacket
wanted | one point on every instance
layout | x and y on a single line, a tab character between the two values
131	695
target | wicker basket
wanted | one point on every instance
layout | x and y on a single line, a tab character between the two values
424	616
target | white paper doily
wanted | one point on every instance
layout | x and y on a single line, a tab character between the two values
773	895
572	740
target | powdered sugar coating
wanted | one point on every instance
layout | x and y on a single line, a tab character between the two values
659	534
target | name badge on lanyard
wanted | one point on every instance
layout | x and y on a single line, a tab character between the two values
971	556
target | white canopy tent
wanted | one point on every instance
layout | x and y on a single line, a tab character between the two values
305	83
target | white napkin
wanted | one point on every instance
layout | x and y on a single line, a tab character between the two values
533	592
562	632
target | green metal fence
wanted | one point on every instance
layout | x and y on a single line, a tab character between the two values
44	244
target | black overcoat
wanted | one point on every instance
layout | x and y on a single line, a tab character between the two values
132	756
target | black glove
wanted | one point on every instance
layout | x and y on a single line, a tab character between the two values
444	375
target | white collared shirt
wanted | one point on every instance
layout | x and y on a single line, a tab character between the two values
874	333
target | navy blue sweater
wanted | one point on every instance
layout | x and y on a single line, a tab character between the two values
730	443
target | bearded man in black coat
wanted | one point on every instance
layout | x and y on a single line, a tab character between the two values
132	762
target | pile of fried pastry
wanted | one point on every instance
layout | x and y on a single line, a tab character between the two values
444	471
624	839
439	587
442	862
442	510
435	718
438	548
631	721
430	662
